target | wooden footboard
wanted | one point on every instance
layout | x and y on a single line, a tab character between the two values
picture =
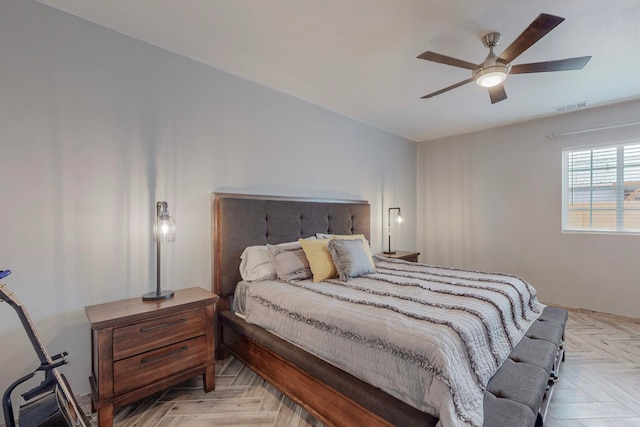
322	392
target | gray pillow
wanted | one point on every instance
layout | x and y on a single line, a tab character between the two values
289	261
350	258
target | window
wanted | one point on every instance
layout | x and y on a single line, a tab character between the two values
601	188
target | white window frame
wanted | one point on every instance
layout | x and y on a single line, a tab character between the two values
592	189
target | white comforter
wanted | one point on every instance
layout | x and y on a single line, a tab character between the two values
430	336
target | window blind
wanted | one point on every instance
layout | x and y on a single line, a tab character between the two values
601	188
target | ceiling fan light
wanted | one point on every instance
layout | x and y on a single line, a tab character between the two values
491	76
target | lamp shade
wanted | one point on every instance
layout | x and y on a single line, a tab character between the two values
164	229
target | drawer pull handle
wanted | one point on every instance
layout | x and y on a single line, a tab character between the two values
161	356
164	325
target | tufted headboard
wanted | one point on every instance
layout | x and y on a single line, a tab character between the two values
246	220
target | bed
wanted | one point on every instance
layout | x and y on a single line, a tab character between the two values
516	394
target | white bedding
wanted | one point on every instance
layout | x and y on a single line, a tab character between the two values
430	336
240	298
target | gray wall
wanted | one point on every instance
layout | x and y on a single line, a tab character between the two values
95	127
492	200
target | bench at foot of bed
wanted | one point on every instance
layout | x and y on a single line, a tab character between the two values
519	393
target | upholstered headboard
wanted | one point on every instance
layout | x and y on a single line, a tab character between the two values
247	220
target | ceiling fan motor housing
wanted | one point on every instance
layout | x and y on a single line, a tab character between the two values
492	39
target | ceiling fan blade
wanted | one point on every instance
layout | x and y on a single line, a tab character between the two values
534	32
443	59
464	82
557	65
497	93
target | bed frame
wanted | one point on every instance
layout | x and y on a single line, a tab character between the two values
328	393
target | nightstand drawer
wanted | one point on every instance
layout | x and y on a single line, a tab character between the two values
156	333
146	368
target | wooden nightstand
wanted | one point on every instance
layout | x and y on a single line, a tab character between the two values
141	347
405	255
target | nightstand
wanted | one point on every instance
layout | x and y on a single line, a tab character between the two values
405	255
141	347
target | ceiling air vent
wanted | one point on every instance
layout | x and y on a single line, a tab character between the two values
570	107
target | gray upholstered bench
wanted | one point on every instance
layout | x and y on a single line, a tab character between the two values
516	384
517	395
550	327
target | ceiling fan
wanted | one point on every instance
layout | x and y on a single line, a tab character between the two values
492	72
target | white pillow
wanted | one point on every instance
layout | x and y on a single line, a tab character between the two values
342	236
256	264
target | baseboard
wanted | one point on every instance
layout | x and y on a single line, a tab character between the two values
594	313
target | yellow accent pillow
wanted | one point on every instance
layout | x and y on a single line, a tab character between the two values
319	258
365	244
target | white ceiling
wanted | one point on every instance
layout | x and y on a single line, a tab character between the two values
358	57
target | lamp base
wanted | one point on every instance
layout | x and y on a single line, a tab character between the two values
389	252
152	296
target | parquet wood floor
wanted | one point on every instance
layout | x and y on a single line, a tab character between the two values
600	379
599	387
